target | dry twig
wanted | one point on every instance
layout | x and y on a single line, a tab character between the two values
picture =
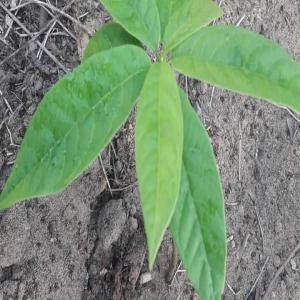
6	102
244	245
232	290
124	188
173	265
240	153
10	137
31	35
52	7
104	171
259	275
240	21
292	114
60	23
212	96
260	226
279	271
40	52
36	35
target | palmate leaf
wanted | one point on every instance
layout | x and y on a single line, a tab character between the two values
159	137
75	121
138	17
198	225
242	61
179	19
109	36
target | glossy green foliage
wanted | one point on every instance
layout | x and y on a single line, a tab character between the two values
179	19
198	224
243	61
159	138
109	36
138	17
75	121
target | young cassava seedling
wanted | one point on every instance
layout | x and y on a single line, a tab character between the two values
178	178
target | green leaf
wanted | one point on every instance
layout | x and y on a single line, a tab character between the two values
109	36
198	225
242	61
138	17
159	137
179	19
75	121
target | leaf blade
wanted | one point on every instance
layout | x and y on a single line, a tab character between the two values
179	19
82	103
139	17
242	61
198	224
159	136
109	36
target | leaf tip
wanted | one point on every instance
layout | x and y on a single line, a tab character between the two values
154	243
151	258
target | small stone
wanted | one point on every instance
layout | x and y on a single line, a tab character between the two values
21	290
133	224
119	166
278	227
132	211
261	257
93	269
277	261
233	244
283	286
204	87
31	109
297	151
103	272
111	224
230	238
38	84
293	264
32	47
146	277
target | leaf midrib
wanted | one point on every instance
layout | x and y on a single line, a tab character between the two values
41	160
158	154
240	69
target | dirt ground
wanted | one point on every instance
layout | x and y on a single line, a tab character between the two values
87	243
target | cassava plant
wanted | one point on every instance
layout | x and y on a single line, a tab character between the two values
178	178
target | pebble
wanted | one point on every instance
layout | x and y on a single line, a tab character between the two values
146	277
31	109
230	238
277	261
133	224
132	210
103	272
119	166
293	264
111	224
297	151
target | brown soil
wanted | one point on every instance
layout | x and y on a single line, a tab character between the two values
88	244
